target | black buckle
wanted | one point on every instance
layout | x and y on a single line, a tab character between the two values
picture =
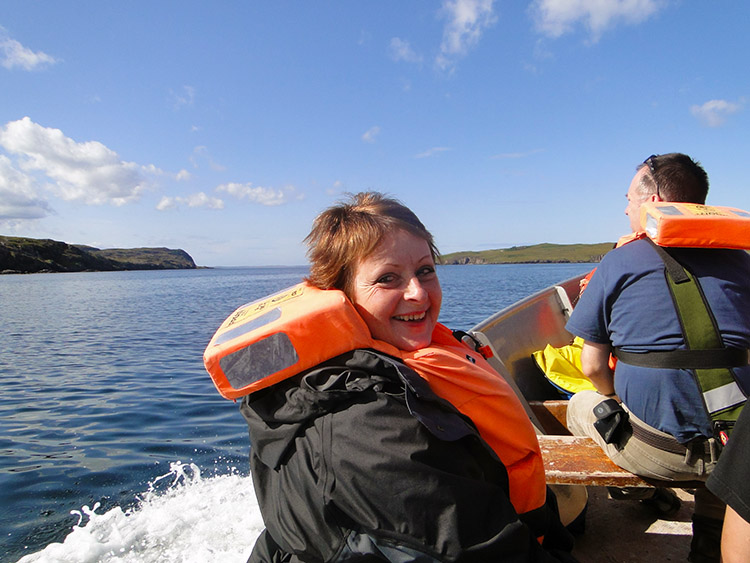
610	420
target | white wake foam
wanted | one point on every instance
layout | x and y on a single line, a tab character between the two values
183	517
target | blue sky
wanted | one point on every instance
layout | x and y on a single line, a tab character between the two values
223	128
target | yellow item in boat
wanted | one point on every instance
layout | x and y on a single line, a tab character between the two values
562	366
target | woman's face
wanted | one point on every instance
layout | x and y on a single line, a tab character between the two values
397	292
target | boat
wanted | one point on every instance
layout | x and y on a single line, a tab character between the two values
614	531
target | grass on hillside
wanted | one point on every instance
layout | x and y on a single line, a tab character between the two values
537	253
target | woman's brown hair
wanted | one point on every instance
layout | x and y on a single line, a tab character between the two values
349	231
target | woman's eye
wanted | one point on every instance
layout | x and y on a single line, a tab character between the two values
426	271
386	279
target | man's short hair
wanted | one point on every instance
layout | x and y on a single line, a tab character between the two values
674	177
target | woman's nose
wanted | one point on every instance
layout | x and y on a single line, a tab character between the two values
415	290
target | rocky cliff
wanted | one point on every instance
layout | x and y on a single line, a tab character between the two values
26	255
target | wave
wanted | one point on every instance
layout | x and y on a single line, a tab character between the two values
181	517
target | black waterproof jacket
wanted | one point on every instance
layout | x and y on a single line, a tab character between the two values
357	460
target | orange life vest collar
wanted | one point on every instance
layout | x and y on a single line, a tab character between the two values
693	225
625	239
281	335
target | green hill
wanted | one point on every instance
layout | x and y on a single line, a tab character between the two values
19	255
534	254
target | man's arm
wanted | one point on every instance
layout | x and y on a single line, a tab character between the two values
595	364
735	538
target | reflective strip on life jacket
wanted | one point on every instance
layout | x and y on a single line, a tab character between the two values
723	397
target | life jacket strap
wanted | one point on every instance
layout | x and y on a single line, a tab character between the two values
686	359
706	355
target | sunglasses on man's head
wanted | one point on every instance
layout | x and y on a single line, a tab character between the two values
651	163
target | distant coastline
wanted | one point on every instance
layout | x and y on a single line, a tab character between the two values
20	255
544	253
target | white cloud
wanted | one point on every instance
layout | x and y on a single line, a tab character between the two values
183	98
202	200
88	172
261	195
467	21
714	112
13	54
336	188
201	153
555	18
183	175
166	203
199	199
401	50
370	134
431	152
364	37
18	197
516	155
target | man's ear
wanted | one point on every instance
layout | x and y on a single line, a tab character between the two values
654	198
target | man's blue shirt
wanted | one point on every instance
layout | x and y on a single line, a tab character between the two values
627	304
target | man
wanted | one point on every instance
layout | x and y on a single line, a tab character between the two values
662	429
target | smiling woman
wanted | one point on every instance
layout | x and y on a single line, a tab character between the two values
380	254
407	447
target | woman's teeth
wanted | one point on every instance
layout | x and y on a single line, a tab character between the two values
412	317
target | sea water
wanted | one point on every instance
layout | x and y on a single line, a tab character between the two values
114	444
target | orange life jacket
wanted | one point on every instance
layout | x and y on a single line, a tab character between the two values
692	225
267	341
688	225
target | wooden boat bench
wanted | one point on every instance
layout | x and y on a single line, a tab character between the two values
578	460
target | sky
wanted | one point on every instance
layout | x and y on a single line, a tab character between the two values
223	128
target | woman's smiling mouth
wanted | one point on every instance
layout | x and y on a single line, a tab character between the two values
411	317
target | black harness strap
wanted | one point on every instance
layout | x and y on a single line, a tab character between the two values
686	359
